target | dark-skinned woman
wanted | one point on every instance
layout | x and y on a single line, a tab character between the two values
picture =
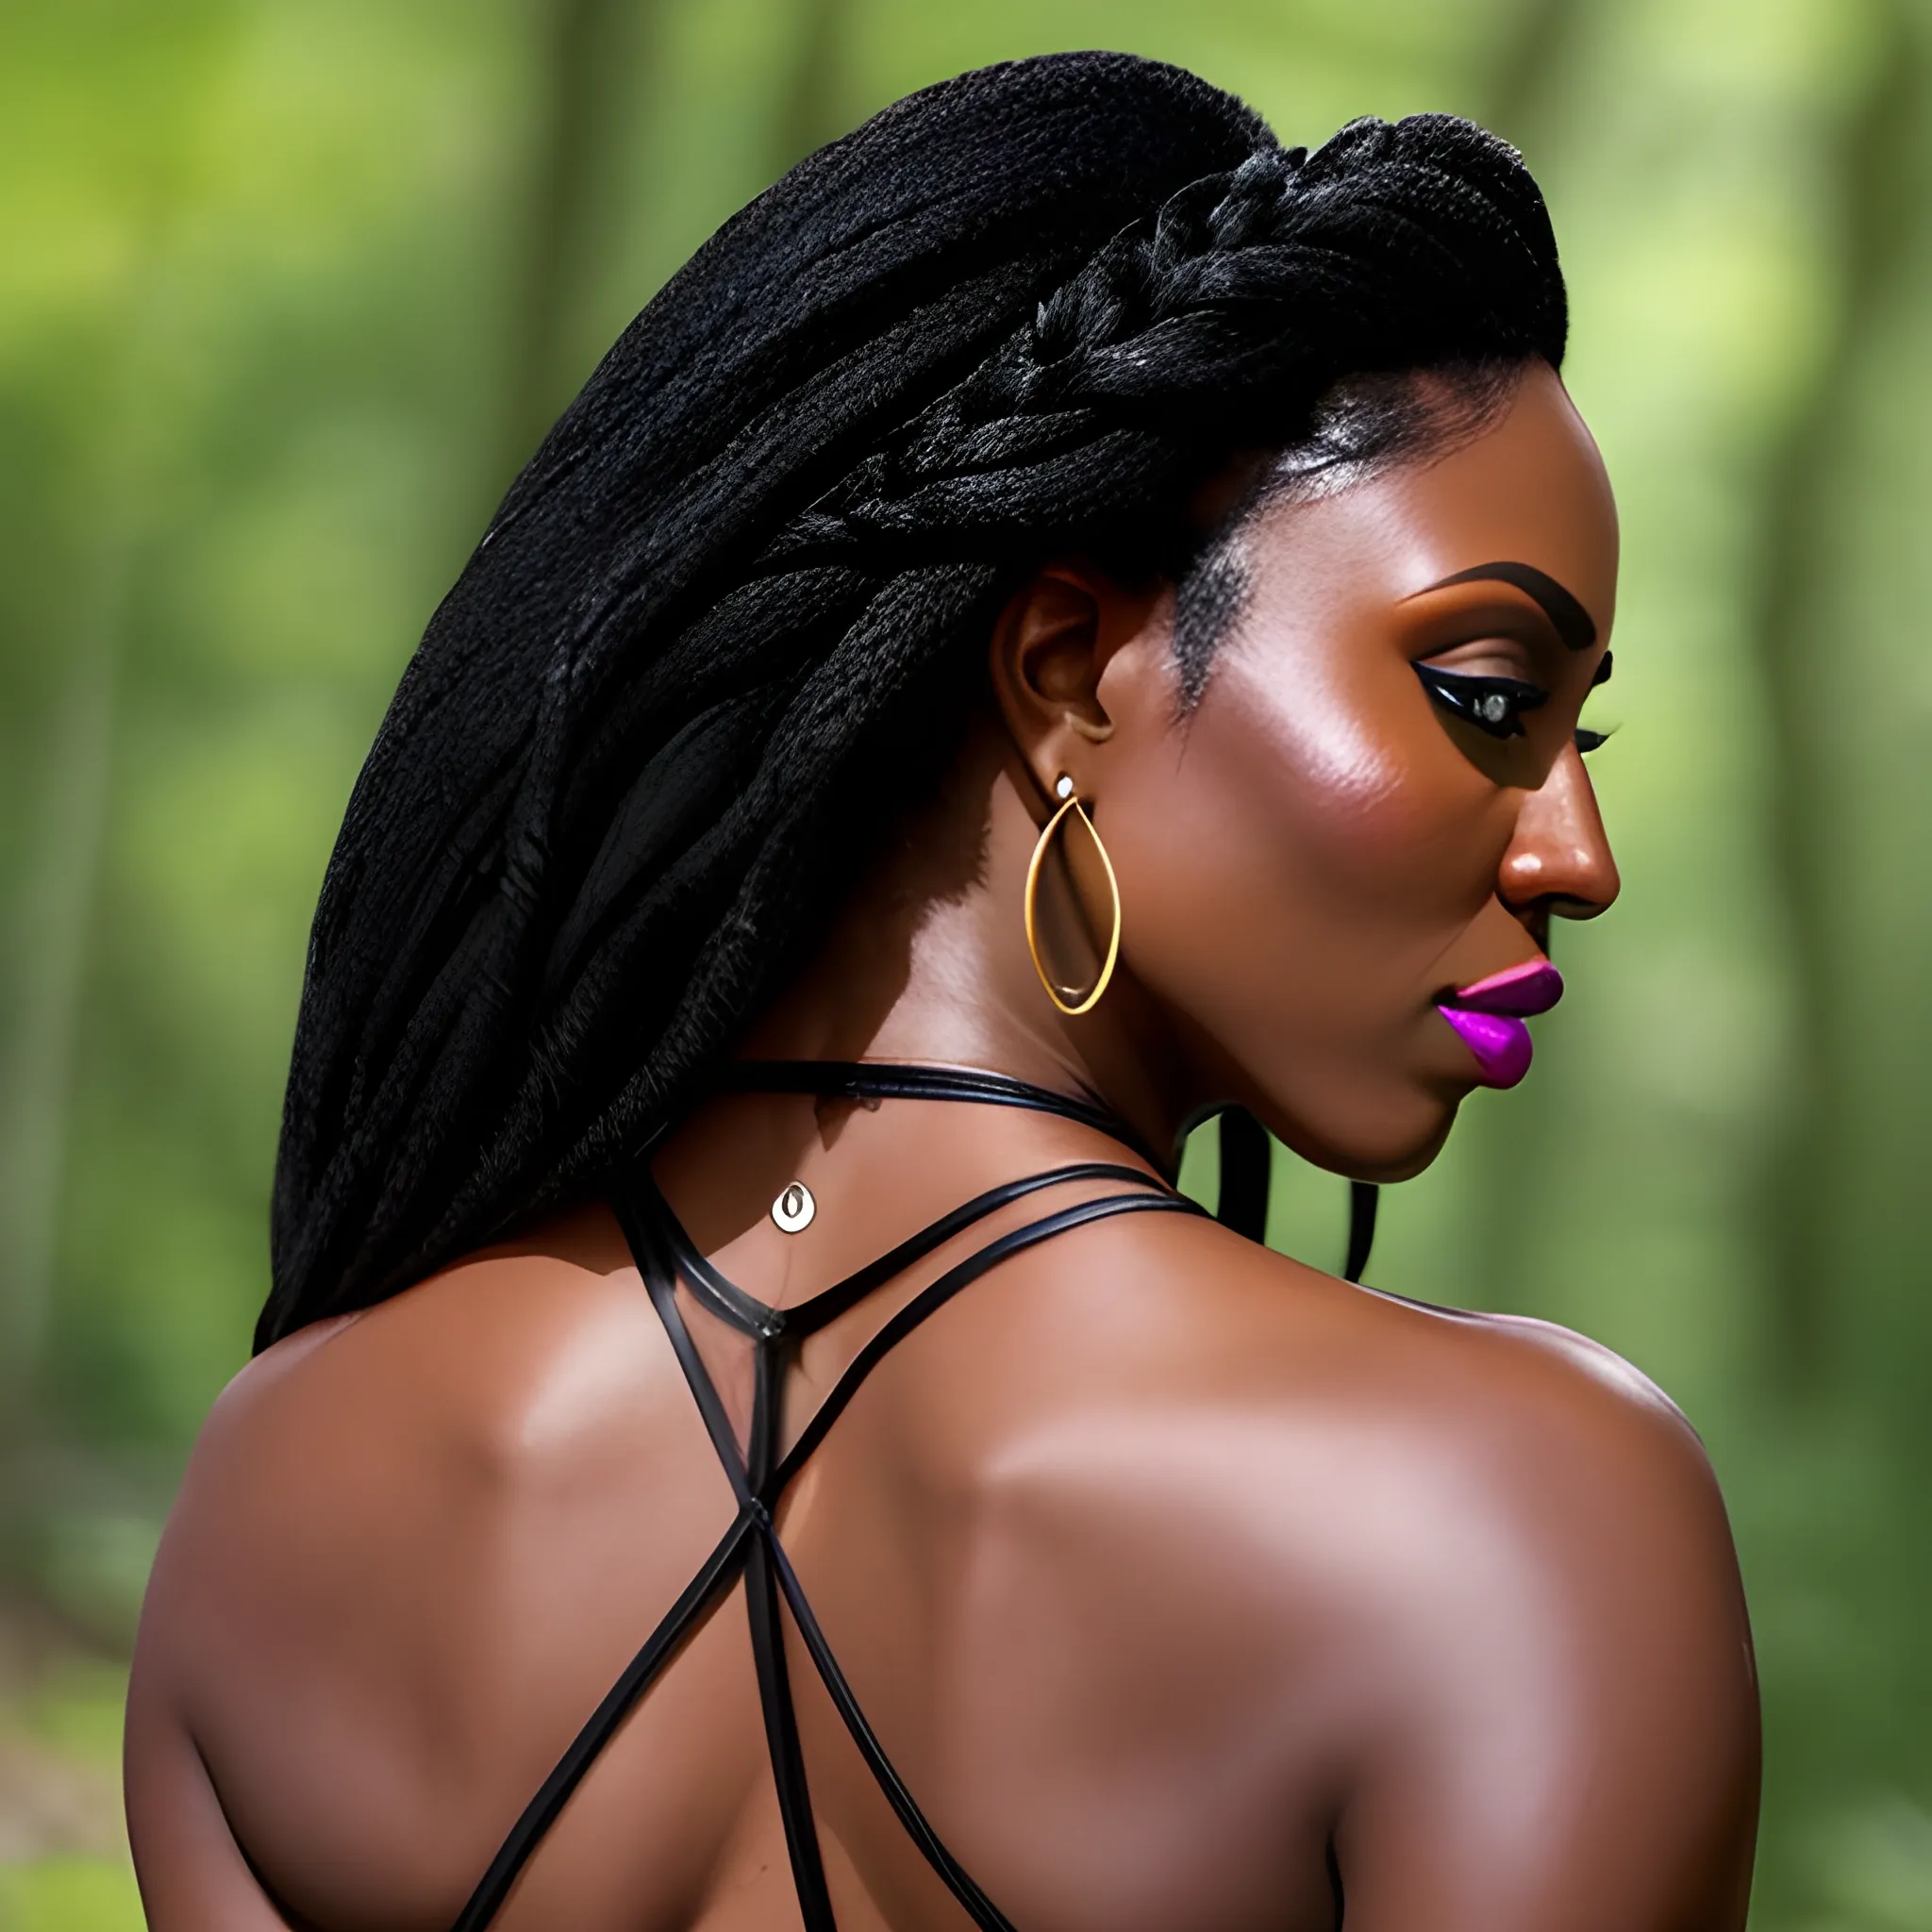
1065	619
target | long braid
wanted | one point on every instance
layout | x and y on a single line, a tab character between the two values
723	615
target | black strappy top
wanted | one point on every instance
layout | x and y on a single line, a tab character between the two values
759	1475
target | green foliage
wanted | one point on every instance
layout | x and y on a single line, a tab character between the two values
271	344
62	1743
69	1894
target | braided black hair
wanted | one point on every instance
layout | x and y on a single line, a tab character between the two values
729	606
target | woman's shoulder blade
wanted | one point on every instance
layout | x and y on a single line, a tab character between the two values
1256	1310
1234	1368
507	1370
1378	1489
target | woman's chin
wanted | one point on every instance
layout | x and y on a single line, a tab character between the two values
1402	1163
1391	1144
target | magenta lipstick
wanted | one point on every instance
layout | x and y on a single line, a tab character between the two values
1488	1017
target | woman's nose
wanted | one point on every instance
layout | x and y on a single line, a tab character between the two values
1559	860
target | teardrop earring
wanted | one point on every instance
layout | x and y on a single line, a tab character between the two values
1060	927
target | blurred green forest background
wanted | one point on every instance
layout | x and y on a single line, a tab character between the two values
289	288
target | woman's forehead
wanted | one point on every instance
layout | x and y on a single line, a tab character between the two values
1530	489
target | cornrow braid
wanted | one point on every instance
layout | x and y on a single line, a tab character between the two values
732	604
1225	314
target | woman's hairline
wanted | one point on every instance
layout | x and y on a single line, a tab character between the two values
1362	427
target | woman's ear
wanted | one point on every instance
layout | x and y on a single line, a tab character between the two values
1050	646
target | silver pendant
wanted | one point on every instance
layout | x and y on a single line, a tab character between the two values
794	1209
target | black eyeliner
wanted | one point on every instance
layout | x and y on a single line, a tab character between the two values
1494	704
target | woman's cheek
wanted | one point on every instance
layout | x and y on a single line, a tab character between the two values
1349	819
1397	828
1243	878
1282	862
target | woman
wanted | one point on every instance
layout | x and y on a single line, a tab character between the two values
1065	618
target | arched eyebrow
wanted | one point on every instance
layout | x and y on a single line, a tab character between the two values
1572	623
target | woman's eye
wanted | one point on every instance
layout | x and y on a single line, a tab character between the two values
1588	740
1495	705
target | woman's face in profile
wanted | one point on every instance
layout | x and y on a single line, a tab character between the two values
1329	846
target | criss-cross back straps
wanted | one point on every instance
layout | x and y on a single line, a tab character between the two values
769	1570
759	1473
929	1300
731	1304
655	1241
750	1546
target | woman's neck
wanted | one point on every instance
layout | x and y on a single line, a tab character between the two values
927	962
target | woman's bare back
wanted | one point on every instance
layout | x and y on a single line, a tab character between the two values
1182	1585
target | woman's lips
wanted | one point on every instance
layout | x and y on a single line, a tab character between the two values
1522	992
1488	1017
1500	1043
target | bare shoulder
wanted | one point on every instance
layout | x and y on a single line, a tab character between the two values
515	1354
356	1458
1365	1462
1250	1332
412	1549
1458	1580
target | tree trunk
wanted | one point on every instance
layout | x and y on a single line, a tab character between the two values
813	110
1871	180
592	54
55	914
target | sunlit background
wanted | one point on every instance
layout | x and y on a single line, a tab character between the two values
289	288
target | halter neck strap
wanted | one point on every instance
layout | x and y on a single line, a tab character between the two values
885	1080
1245	1208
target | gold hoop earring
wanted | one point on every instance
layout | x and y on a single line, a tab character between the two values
1068	998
